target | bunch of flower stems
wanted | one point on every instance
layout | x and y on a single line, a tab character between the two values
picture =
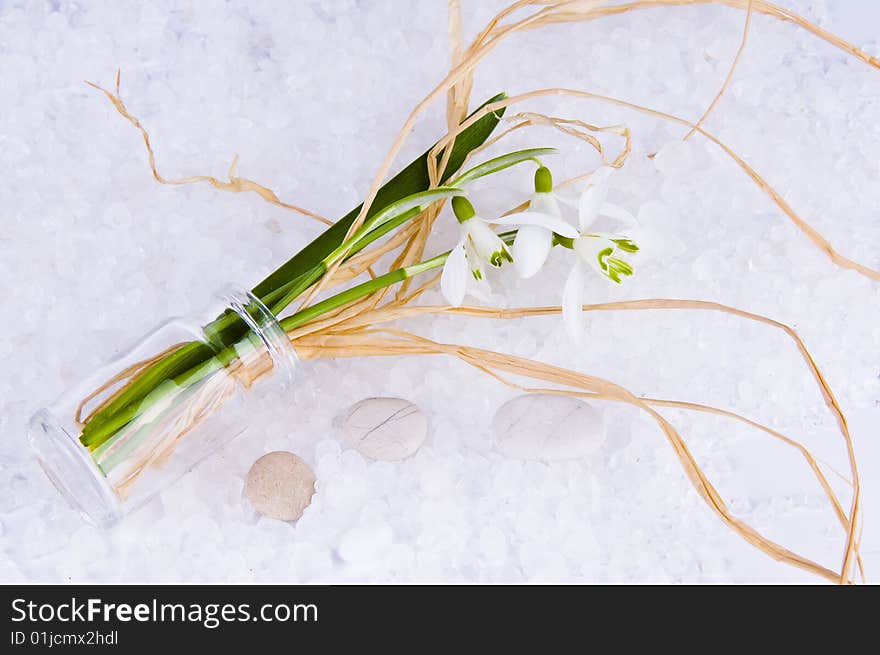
402	198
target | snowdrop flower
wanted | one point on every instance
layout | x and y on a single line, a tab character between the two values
480	245
592	204
534	239
477	246
602	252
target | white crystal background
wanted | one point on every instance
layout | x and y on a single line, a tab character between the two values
310	95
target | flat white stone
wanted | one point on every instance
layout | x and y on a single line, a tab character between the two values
280	485
386	429
548	427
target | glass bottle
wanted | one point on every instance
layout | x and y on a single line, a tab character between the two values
108	451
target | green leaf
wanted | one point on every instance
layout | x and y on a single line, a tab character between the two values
412	179
287	281
419	201
500	163
360	291
409	206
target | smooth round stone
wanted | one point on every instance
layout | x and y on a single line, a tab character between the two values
280	485
548	427
386	429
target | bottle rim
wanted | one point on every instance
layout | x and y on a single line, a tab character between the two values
265	325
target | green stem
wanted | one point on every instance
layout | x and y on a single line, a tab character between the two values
104	430
412	179
360	291
121	410
288	281
110	427
364	289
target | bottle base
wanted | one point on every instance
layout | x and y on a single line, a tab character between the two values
72	471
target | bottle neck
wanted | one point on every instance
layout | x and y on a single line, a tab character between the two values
264	334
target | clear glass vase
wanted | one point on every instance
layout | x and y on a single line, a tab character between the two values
151	414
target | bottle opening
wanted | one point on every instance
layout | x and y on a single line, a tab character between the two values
264	324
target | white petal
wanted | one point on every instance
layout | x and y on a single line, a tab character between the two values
475	267
618	213
552	223
588	249
572	302
545	203
568	199
453	280
485	242
593	197
530	249
481	290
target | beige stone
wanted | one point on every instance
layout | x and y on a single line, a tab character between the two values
280	485
385	429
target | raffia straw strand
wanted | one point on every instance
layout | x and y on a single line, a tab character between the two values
459	93
802	225
234	184
579	11
397	312
570	127
183	418
497	363
851	547
812	461
494	33
767	8
730	72
174	427
129	373
456	73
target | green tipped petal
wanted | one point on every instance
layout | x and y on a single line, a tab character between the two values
543	180
500	256
626	245
462	208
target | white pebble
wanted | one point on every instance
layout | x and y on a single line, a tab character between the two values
548	427
386	429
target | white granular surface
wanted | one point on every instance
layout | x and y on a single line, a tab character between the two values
93	252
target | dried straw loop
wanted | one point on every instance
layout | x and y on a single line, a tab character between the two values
389	342
572	11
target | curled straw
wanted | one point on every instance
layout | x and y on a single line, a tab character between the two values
733	65
349	331
342	342
234	184
571	11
